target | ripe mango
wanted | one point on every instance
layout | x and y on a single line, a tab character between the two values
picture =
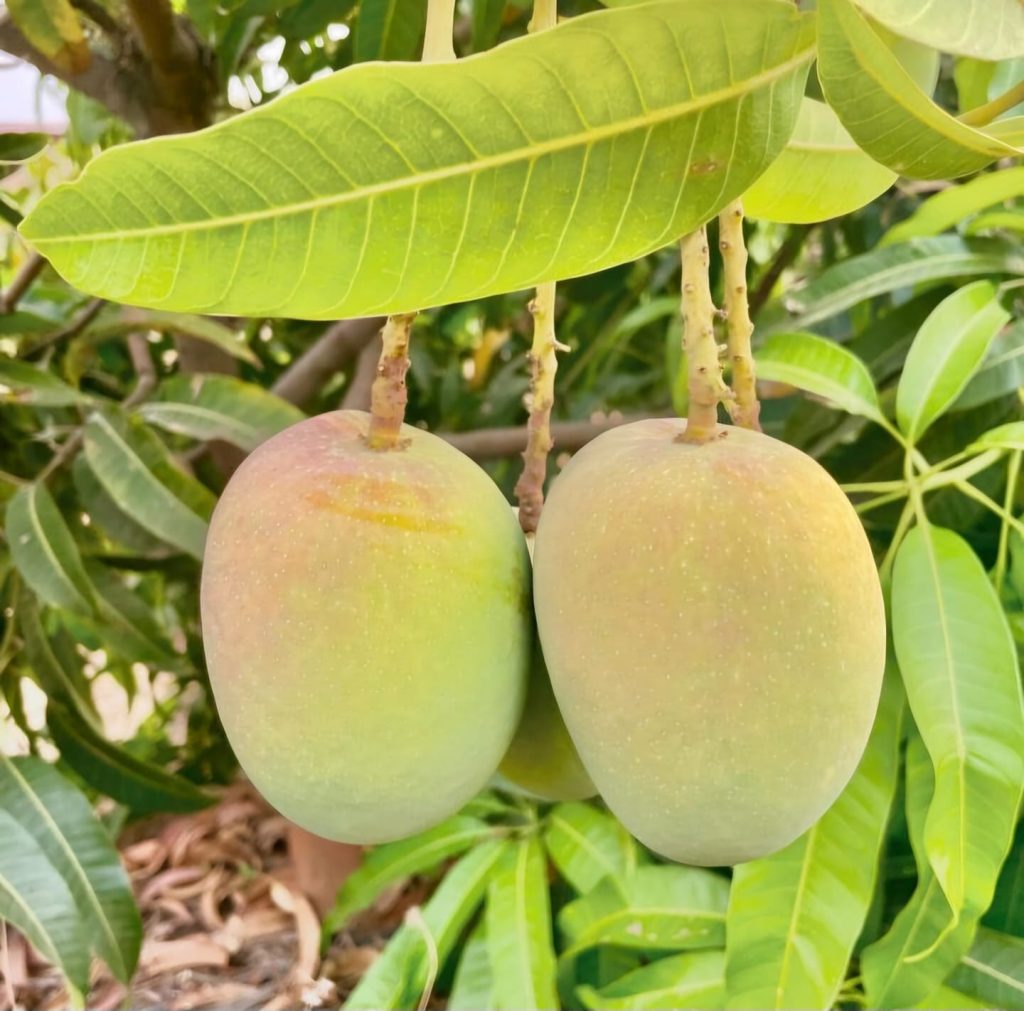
713	623
366	624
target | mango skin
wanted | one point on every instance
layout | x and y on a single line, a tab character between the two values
367	629
714	628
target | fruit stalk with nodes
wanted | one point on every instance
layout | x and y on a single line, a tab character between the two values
389	395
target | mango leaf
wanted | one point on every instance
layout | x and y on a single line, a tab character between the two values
21	383
389	29
104	513
959	666
659	908
486	23
219	407
44	551
887	114
586	845
397	978
795	916
36	899
951	206
519	929
391	862
1008	221
1008	436
693	980
52	26
402	158
1000	374
46	662
137	472
919	261
948	999
993	970
1006	913
986	29
947	351
60	820
21	147
209	331
925	941
821	367
473	986
820	174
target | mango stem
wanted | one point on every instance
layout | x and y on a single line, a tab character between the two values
744	411
543	361
388	396
704	374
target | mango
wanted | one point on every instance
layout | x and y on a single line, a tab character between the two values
366	625
713	625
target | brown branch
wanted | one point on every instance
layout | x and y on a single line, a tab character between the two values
332	352
30	270
495	443
73	328
357	396
102	18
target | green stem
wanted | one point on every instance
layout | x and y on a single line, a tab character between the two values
545	15
881	500
939	479
1012	474
881	486
885	569
744	410
984	114
968	489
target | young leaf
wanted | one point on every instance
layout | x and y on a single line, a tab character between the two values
398	977
391	862
52	26
137	472
1008	436
65	830
389	29
821	367
219	407
820	174
925	941
987	29
473	986
887	114
959	666
35	899
21	147
951	206
795	916
853	281
993	971
660	908
519	929
398	158
947	351
1001	373
586	845
21	383
44	551
693	980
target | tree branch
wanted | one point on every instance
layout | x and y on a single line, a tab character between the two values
102	18
22	281
331	353
569	436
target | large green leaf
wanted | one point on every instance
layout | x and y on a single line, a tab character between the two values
36	900
821	367
391	862
389	29
693	980
398	977
659	908
519	929
987	29
66	831
219	407
473	986
993	970
795	916
820	174
586	845
948	349
52	26
44	550
925	941
951	206
425	184
959	666
919	261
887	114
139	475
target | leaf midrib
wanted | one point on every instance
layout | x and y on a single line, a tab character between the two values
583	138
